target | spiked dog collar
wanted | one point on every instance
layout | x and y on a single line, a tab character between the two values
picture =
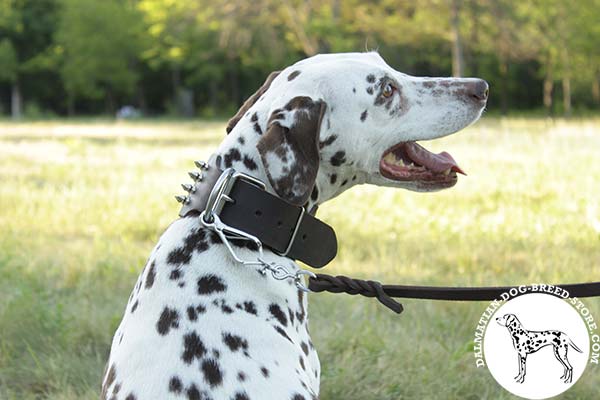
240	201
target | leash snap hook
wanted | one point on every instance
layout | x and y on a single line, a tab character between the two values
299	279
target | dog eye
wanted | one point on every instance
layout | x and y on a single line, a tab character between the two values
388	90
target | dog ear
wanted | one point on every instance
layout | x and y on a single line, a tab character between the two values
290	155
251	100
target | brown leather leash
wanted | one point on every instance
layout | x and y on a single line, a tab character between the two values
386	293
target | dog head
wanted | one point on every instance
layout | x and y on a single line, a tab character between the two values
508	320
334	120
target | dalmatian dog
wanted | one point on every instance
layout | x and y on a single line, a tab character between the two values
199	325
528	342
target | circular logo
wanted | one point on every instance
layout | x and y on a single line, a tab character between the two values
536	345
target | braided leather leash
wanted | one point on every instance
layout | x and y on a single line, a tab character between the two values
386	293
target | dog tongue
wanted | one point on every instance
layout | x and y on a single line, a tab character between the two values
433	162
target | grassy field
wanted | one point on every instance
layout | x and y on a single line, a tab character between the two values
82	204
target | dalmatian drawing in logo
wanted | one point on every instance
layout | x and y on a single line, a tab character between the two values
528	342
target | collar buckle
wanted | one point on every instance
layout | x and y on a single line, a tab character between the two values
220	192
294	233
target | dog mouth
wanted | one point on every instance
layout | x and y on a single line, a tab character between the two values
411	162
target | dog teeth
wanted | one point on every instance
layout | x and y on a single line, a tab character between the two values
447	172
391	158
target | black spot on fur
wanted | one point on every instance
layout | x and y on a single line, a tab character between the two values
330	139
150	276
241	140
302	313
370	90
179	256
192	348
301	360
214	237
363	116
131	396
226	309
332	178
212	372
315	194
134	306
241	396
354	178
264	371
353	90
175	385
291	316
241	376
304	347
196	241
249	307
370	78
193	393
209	284
169	319
282	333
275	311
256	126
231	156
175	274
338	158
293	75
344	182
249	163
298	397
235	342
192	314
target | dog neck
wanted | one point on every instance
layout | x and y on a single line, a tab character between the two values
335	173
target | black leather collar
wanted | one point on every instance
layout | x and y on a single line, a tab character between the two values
284	228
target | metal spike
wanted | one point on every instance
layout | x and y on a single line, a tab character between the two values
188	188
181	199
201	164
196	176
227	199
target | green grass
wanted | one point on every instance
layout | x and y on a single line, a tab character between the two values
82	204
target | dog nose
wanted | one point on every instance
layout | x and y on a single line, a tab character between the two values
478	90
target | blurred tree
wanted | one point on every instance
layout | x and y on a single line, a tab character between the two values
457	47
99	42
26	29
188	55
565	38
